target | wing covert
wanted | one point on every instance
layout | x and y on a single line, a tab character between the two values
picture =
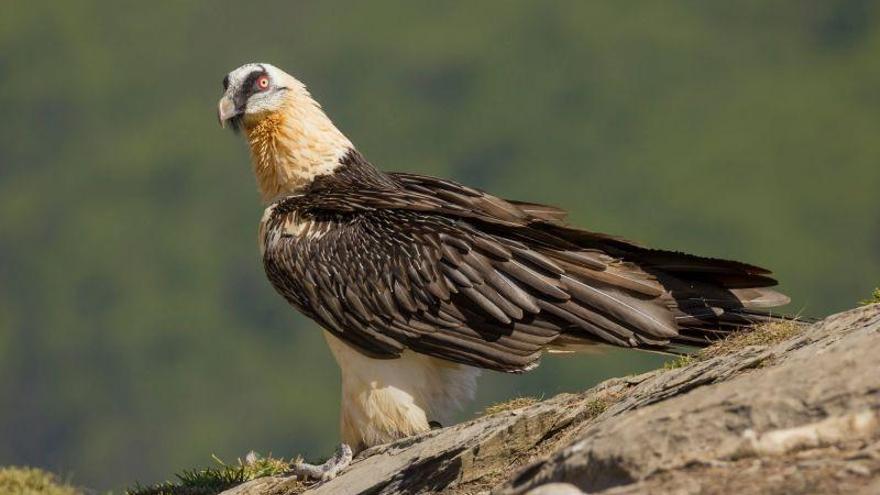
386	280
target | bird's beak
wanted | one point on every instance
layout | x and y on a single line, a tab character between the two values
226	110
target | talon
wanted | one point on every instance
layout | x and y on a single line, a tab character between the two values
327	471
435	425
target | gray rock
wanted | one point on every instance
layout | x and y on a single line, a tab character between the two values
556	489
800	416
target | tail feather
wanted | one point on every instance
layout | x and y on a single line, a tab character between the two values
755	297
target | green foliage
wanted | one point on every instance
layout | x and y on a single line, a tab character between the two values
32	481
213	480
137	331
874	299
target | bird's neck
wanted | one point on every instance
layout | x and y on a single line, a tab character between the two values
293	146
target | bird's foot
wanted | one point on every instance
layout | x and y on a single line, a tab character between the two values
327	471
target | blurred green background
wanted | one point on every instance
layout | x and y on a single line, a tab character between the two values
137	332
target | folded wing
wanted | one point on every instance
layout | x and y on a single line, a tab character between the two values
456	273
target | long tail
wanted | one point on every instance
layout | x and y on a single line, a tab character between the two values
708	298
714	298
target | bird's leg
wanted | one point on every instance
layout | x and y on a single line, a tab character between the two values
327	471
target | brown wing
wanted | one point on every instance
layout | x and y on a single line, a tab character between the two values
458	274
388	279
720	291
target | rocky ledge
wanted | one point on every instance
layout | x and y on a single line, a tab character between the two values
782	411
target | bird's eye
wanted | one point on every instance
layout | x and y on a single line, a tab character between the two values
262	83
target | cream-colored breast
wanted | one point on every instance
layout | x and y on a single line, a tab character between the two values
387	399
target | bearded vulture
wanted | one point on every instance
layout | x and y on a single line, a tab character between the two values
419	282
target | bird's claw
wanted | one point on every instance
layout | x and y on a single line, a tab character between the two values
327	471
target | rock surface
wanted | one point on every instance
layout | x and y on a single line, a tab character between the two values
797	416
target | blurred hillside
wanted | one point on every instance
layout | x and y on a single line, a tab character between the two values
137	332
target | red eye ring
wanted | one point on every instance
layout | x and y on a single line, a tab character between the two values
263	83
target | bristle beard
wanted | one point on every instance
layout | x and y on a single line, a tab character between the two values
235	123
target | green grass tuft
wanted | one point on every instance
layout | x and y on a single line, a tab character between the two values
764	334
213	480
597	405
874	299
32	481
680	362
515	403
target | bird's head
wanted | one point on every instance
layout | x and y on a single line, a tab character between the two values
255	91
292	140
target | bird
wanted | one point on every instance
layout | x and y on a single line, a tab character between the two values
420	283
